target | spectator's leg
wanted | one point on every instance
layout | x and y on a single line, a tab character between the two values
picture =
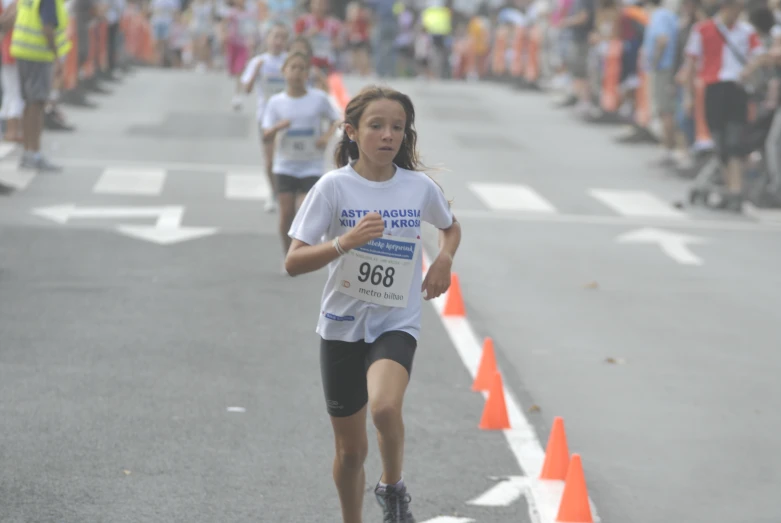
773	154
737	117
663	88
36	80
113	47
580	74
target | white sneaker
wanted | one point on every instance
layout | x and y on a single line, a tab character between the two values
236	102
270	206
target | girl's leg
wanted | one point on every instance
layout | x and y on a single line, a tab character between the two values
268	158
343	371
352	447
286	199
387	382
390	364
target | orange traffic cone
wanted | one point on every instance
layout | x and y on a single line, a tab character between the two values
487	368
557	453
495	410
574	507
454	303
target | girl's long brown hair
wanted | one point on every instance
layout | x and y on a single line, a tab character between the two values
407	157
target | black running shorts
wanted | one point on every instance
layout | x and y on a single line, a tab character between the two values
344	364
292	184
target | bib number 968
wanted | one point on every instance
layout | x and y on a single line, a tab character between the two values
376	275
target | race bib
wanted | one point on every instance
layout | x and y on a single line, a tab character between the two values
381	271
272	85
300	145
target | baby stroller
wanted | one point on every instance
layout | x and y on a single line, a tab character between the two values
709	188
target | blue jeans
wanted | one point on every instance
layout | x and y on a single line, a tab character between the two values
684	121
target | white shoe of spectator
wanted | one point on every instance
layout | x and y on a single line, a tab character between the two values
683	160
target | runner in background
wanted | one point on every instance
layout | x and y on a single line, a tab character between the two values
386	29
293	120
479	33
162	17
358	29
265	72
317	78
202	26
404	43
240	30
324	32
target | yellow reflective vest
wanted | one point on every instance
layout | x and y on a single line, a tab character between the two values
28	41
436	20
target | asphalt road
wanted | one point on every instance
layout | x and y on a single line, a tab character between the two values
665	371
145	382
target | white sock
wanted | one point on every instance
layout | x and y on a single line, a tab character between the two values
397	485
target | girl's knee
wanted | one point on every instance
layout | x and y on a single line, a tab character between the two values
386	416
352	454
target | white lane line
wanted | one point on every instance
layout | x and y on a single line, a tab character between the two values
543	496
246	187
134	181
637	204
511	197
11	175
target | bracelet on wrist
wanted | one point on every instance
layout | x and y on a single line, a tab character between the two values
338	247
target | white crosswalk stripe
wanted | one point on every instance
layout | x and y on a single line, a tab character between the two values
12	176
246	187
637	204
138	181
243	183
511	197
7	148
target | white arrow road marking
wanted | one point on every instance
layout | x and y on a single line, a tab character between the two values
673	244
448	519
166	231
504	493
165	236
64	213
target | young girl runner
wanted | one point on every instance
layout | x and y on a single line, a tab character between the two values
317	78
266	70
294	117
239	30
369	212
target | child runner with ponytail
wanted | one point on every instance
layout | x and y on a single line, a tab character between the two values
293	119
369	212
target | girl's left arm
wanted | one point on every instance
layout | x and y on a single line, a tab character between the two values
449	240
437	280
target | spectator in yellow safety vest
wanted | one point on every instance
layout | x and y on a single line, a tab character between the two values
39	43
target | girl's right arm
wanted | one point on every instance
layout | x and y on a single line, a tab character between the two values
303	258
271	122
249	79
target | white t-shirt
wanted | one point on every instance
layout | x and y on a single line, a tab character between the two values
295	153
270	80
335	205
